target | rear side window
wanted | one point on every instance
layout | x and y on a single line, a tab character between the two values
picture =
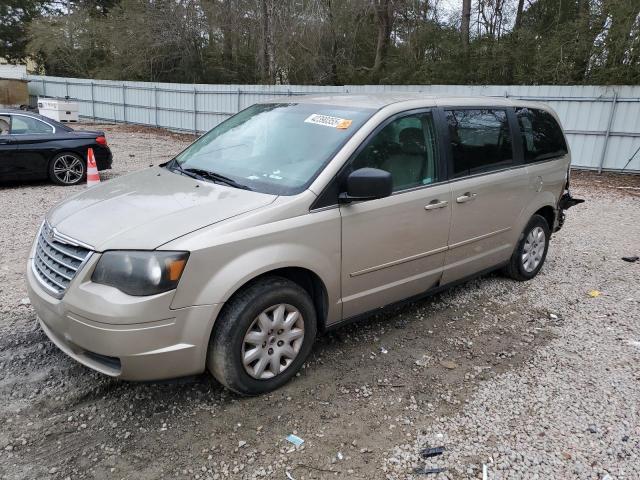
21	125
542	137
480	140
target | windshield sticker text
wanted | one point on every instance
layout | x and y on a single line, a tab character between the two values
328	121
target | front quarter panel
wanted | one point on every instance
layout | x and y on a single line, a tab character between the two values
223	259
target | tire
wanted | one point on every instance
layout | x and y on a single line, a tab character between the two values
521	267
67	168
247	329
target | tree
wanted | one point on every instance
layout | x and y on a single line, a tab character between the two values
623	29
329	41
15	17
329	5
65	44
466	21
384	18
520	9
268	48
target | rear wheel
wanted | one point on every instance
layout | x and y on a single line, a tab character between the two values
531	251
67	168
262	337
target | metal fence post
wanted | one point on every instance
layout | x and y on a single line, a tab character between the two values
608	132
66	88
93	104
238	107
44	87
155	105
195	110
124	103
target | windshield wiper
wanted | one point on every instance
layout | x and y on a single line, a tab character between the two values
216	177
201	174
174	165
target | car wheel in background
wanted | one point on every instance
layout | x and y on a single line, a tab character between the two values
263	336
67	168
531	251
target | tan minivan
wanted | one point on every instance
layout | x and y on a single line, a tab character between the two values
290	218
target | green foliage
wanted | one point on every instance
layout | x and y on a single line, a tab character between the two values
331	41
15	15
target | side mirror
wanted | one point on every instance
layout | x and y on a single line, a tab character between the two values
367	184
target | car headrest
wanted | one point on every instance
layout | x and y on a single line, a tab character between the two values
412	141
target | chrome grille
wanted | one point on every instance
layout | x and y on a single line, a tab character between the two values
56	260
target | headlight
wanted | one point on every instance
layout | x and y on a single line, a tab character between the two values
140	273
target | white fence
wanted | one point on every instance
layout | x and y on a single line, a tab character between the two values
601	123
12	71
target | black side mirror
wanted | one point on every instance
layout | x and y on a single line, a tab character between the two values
367	184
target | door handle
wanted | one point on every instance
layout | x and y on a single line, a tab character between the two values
467	197
436	204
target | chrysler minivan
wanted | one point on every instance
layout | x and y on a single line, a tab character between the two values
290	218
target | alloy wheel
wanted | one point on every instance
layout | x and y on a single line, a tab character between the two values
68	169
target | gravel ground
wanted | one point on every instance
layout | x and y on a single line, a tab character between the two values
571	410
533	380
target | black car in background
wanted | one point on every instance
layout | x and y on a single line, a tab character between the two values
36	147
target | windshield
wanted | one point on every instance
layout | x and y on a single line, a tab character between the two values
276	148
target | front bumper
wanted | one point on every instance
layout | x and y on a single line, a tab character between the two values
132	338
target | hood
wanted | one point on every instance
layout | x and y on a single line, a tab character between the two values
148	208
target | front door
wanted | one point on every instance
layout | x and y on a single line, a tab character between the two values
488	191
394	247
35	147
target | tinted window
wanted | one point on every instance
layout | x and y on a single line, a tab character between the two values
22	125
406	148
542	137
480	140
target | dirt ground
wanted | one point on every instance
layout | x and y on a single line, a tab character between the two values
366	389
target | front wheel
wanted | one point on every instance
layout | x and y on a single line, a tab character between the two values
531	251
263	336
67	169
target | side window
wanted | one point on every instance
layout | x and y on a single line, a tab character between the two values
406	148
480	140
5	123
542	137
24	125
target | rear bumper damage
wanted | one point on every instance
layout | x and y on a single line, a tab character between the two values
566	201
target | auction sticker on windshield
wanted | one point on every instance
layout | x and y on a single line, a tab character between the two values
328	121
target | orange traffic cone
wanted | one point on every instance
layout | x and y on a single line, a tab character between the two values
93	178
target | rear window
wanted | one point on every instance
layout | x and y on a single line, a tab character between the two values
542	137
480	140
